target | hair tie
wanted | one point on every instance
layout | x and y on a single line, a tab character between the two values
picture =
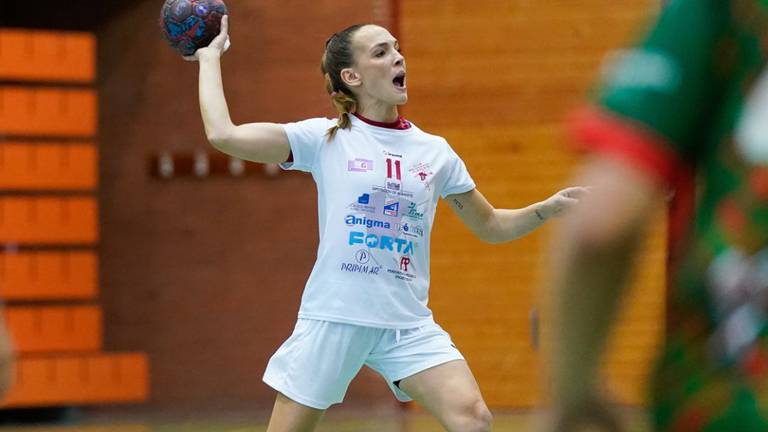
334	93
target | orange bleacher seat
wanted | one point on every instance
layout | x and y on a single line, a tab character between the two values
34	55
47	112
48	220
48	276
26	166
55	329
79	379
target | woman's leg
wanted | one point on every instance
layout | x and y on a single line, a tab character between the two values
450	393
291	416
312	371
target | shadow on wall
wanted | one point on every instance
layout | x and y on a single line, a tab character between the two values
52	14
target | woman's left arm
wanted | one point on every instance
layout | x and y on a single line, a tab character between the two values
502	225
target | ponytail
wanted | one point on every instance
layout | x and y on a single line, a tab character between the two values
344	104
339	54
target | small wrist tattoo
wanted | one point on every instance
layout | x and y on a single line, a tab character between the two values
458	204
538	215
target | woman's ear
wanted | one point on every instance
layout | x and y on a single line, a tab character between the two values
351	78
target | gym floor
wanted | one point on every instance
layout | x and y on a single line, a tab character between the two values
339	421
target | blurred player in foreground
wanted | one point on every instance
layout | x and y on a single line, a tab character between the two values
688	104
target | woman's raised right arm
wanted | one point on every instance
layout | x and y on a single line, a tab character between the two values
257	142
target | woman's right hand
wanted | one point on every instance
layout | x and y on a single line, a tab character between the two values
218	46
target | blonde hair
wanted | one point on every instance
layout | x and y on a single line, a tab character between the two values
339	55
345	104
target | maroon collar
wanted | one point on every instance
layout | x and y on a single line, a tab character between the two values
400	124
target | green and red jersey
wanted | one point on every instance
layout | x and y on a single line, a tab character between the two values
691	99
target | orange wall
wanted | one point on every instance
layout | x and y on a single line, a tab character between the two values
496	78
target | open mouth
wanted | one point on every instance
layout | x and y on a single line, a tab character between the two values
399	80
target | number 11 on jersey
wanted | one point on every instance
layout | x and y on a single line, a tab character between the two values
389	169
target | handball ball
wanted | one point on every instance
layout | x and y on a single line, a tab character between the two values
191	24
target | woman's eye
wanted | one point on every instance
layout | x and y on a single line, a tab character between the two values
380	54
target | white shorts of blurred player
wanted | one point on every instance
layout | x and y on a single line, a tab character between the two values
316	364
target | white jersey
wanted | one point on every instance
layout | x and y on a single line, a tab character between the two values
377	194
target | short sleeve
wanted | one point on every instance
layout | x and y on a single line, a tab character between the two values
652	104
305	138
670	83
457	178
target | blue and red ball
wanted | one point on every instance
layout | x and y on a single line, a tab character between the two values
191	24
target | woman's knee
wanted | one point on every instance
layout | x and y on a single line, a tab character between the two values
475	418
482	416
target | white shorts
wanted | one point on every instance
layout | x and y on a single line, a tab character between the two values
316	364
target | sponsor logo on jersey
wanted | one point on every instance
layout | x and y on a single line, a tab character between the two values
395	155
422	171
404	263
393	186
383	242
398	274
400	193
643	69
362	204
359	165
362	256
363	264
359	268
410	229
391	207
413	212
353	220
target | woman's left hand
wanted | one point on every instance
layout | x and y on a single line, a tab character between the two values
562	200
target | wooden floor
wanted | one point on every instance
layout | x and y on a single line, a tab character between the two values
343	422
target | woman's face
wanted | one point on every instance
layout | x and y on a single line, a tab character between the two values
379	67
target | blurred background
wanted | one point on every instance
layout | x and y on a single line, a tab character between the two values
148	280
